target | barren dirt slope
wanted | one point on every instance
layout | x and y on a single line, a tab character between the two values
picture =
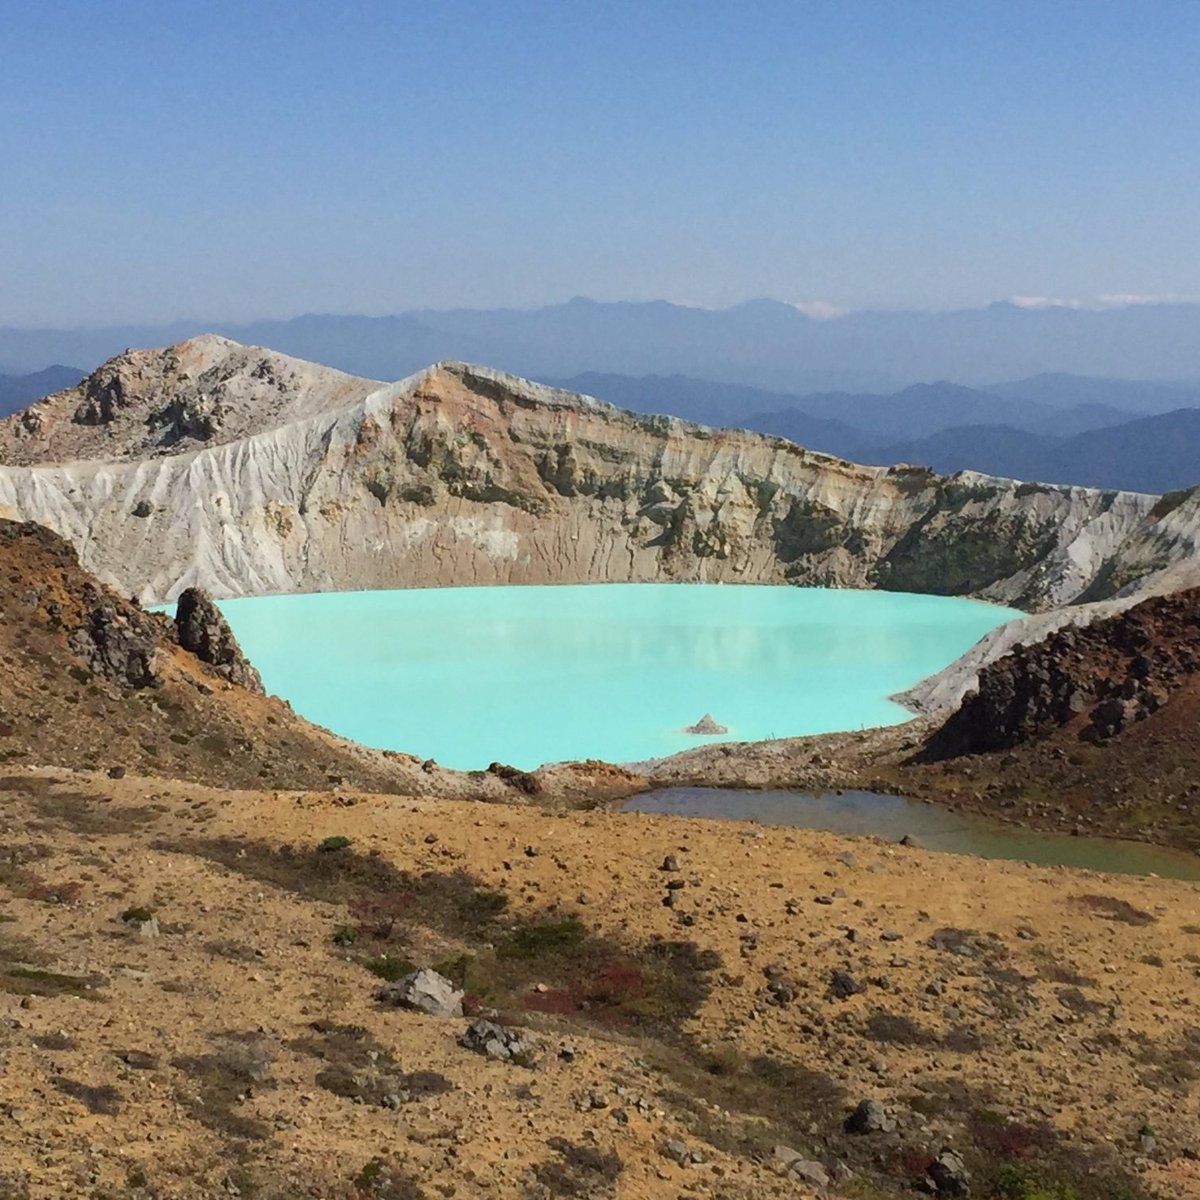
188	983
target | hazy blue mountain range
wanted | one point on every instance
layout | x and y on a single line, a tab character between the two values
18	391
761	343
1149	454
912	412
952	428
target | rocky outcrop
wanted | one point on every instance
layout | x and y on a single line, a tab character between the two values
308	480
117	641
203	392
202	630
1101	678
707	725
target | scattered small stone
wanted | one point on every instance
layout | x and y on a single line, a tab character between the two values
949	1175
805	1169
116	772
670	863
495	1041
869	1117
843	985
430	839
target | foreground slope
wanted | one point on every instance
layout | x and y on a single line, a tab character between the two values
190	1010
462	475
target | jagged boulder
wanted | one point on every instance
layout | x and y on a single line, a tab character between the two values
201	629
117	642
495	1041
706	725
424	991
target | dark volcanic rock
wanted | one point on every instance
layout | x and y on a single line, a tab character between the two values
202	629
117	642
1105	677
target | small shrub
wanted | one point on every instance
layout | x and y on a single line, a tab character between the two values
388	968
1008	1140
330	844
544	940
895	1030
578	1170
1114	909
137	915
103	1100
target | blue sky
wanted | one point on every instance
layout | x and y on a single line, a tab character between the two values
234	159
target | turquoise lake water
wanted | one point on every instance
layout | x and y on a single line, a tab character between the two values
529	675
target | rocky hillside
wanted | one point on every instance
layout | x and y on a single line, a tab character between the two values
93	681
1099	679
143	403
183	474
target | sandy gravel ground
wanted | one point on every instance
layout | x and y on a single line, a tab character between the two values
186	1064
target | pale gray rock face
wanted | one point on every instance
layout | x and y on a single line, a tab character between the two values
255	473
425	991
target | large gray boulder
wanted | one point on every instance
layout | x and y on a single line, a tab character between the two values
425	991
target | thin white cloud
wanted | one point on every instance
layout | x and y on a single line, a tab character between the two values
1096	303
1044	302
1125	299
820	310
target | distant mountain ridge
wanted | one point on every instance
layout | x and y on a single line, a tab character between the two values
17	391
760	343
1151	454
952	428
248	472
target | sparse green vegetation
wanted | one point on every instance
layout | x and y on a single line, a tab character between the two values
386	967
